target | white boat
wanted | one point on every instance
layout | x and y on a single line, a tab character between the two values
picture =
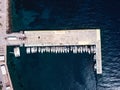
39	49
78	50
68	50
42	50
94	49
17	51
56	51
51	50
91	49
34	49
95	67
71	49
27	50
86	48
74	50
47	49
94	57
83	49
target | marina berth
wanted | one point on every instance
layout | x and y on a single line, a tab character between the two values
59	41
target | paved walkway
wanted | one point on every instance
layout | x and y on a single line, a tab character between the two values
3	28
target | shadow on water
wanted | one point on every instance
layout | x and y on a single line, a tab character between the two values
52	71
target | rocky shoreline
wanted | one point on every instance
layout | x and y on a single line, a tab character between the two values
9	30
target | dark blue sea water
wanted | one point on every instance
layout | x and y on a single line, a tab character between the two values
66	71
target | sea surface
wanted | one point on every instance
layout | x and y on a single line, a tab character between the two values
66	71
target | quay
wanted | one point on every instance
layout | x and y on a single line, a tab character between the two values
61	37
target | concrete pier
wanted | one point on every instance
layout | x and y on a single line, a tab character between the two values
57	38
61	37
